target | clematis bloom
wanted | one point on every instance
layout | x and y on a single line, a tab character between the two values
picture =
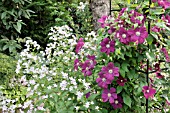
138	35
107	46
79	45
109	95
117	103
110	71
121	81
148	91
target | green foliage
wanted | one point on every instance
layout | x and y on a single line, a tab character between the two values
7	70
13	14
53	13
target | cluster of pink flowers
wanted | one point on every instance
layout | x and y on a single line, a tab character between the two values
106	76
128	27
88	65
164	18
163	3
166	54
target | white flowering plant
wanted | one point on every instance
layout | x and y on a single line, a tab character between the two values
50	81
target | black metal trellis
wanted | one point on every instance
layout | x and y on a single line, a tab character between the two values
147	71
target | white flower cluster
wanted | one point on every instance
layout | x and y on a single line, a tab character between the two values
42	66
62	42
82	6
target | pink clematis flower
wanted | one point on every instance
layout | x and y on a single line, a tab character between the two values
123	36
102	81
148	91
92	61
109	95
110	71
79	45
138	35
76	64
102	21
159	75
107	46
121	81
86	69
168	102
166	54
156	29
164	3
117	103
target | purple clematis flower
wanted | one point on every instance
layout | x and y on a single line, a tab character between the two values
168	102
137	17
111	30
121	81
103	81
92	61
123	36
156	29
121	12
109	95
107	46
117	103
166	54
138	35
102	21
79	45
157	67
110	71
86	69
159	75
166	19
88	95
148	91
76	64
164	3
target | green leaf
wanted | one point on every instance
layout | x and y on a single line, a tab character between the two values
104	110
19	26
149	39
119	89
127	100
122	72
3	15
124	66
5	47
157	11
93	96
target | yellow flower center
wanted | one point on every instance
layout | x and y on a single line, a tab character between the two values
124	35
109	95
108	46
138	33
110	71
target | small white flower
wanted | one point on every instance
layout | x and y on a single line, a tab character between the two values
76	107
49	87
32	82
79	94
87	105
97	107
92	102
55	85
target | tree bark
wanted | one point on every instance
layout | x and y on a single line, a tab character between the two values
99	8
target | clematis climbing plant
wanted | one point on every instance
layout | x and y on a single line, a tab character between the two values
132	59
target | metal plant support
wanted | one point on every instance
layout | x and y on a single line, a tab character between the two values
147	71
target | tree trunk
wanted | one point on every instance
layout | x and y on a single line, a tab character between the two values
99	8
